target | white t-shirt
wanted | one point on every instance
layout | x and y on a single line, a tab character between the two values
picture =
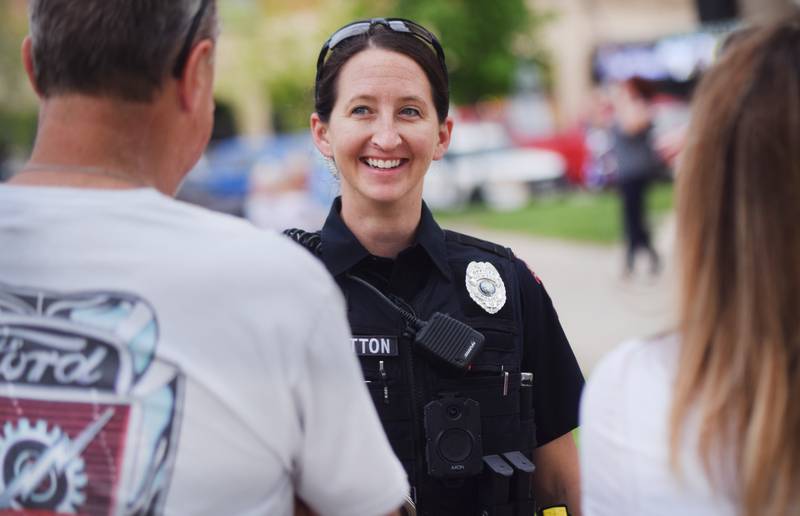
624	440
156	355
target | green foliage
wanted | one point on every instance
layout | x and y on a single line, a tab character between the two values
483	41
582	216
17	100
16	95
17	130
270	47
292	102
243	18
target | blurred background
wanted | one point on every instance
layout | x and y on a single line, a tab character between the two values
537	89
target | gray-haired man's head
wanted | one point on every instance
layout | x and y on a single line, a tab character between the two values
117	48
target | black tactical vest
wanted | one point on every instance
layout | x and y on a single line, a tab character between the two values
402	381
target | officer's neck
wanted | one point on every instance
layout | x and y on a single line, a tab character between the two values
383	230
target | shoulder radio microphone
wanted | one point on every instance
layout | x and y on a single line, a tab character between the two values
442	338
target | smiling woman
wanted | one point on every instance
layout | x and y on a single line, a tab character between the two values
382	134
453	391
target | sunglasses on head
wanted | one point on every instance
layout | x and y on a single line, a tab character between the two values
183	55
400	25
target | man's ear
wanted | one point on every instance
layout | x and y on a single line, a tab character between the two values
319	132
27	62
445	131
197	79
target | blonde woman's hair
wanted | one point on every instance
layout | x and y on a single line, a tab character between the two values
738	214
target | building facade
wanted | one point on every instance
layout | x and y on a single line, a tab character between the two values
579	27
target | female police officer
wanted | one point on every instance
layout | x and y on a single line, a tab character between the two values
463	405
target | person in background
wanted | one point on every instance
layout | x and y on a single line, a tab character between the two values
4	157
155	357
458	419
638	163
705	420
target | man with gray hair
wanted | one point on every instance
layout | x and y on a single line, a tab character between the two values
157	358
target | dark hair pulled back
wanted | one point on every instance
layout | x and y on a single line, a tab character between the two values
380	37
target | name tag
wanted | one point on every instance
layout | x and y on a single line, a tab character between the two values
375	345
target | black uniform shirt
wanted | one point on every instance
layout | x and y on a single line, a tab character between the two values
429	277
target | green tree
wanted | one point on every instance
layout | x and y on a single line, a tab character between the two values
267	55
484	41
17	100
292	102
13	83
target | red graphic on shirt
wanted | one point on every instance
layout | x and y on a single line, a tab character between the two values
88	412
77	446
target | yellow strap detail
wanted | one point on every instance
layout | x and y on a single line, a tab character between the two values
560	510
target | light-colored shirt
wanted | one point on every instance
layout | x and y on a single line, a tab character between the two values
178	361
624	440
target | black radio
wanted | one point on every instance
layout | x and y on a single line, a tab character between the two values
442	338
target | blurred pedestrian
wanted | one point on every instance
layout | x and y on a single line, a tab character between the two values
5	172
705	420
638	164
450	406
598	120
155	357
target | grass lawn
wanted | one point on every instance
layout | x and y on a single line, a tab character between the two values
572	215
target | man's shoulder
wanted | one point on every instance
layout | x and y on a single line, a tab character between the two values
264	253
204	219
232	233
235	251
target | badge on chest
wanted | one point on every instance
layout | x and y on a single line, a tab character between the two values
485	286
375	345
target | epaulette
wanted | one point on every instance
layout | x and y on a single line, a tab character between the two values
311	240
461	238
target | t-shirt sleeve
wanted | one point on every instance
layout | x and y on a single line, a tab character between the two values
557	379
345	464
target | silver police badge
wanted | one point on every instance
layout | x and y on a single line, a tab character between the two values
485	286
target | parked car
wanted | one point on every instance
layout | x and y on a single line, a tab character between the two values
483	164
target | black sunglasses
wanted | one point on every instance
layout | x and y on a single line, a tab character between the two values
401	25
183	55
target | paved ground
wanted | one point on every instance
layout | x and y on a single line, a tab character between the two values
597	307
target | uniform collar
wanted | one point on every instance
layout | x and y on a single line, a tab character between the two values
341	250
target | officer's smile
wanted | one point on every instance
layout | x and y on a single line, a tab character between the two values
384	164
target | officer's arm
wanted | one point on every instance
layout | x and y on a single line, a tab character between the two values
557	476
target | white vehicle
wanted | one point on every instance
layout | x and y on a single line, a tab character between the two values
482	162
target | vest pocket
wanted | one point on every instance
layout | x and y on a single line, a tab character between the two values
500	351
498	394
499	398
